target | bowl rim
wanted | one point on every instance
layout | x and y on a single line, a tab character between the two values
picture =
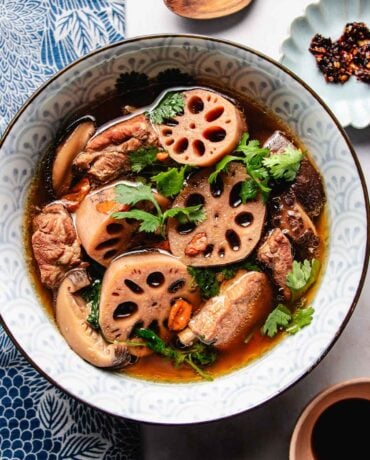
344	135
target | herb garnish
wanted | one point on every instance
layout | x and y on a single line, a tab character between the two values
261	167
91	295
302	276
133	194
284	165
197	355
171	105
209	279
170	182
142	158
281	318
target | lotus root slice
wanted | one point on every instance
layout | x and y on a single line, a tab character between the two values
231	229
210	128
139	290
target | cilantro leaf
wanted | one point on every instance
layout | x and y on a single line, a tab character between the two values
190	214
301	317
149	222
302	276
132	194
278	319
171	105
206	280
281	318
248	190
170	182
230	271
142	158
284	165
221	166
91	295
197	355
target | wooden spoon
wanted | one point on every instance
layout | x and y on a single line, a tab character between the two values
205	9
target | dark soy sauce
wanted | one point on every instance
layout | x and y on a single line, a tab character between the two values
342	431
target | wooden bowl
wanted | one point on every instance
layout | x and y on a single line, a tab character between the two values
205	9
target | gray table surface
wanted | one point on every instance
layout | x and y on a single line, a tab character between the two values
263	433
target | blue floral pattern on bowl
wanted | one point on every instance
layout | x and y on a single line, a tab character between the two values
243	71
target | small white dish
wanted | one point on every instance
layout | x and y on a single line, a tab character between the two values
350	101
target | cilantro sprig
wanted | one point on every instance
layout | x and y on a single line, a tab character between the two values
196	356
143	158
302	276
169	183
91	295
133	194
281	318
284	165
209	279
171	105
261	167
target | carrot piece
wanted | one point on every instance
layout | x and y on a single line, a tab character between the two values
108	207
179	315
76	195
161	156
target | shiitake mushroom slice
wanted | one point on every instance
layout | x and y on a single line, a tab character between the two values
71	312
145	286
210	127
231	229
67	151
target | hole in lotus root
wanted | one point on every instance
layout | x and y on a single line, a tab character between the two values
234	198
198	147
244	219
176	286
215	113
195	105
194	199
109	254
214	134
166	132
181	145
133	286
233	240
107	244
124	310
114	228
155	279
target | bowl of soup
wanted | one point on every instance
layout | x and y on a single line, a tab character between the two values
183	229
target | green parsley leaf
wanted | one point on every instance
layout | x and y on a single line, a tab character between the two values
221	166
171	105
248	190
142	158
284	165
197	355
149	222
91	295
302	276
281	318
170	182
301	317
206	280
278	319
190	214
132	194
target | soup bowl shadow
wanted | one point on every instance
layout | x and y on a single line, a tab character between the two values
270	85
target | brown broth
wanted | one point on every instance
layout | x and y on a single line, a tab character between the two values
261	124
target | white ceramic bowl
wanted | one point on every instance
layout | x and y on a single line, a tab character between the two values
271	85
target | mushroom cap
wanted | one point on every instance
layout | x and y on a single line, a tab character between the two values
231	229
210	128
71	313
66	152
139	290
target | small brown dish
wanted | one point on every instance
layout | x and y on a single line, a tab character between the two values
205	9
333	425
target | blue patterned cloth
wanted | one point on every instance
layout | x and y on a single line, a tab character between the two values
37	421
